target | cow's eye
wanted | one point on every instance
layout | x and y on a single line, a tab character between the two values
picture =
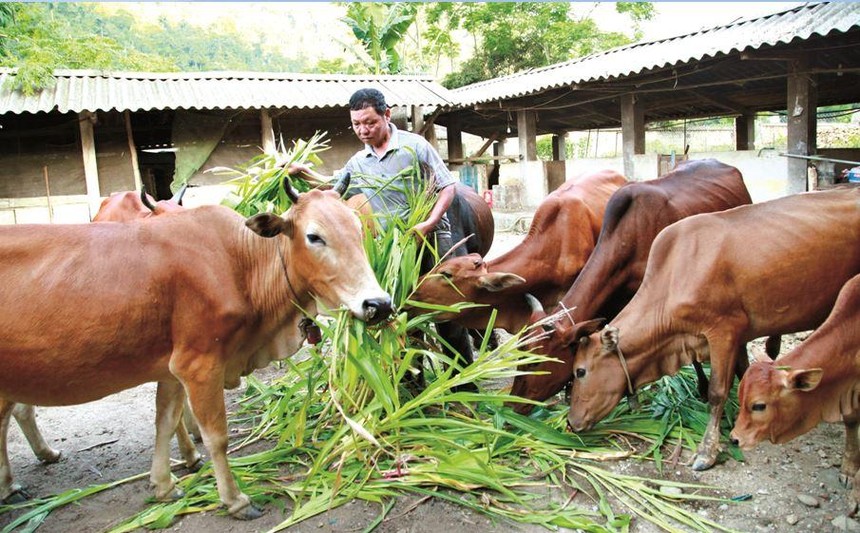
446	275
759	406
315	239
580	373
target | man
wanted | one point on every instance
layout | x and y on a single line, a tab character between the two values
377	170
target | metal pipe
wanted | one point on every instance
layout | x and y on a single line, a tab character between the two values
819	158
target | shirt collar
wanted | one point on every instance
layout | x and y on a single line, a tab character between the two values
393	142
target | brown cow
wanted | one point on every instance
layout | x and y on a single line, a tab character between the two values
118	207
130	205
714	282
817	381
561	237
613	273
193	301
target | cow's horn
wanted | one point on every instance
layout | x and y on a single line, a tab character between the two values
342	184
534	303
292	194
145	199
177	196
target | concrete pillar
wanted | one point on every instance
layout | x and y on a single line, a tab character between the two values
527	129
802	103
745	132
632	131
559	146
86	119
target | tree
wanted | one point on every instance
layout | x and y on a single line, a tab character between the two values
379	28
515	36
37	42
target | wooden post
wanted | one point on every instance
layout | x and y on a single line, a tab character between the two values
802	103
132	149
86	119
745	132
455	141
417	119
267	133
48	195
632	132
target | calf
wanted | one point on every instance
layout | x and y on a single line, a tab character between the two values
817	381
613	273
192	301
562	236
714	282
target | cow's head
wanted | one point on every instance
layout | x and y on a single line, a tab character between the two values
774	404
600	379
559	339
322	252
462	279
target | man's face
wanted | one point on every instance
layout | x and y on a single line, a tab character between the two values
370	127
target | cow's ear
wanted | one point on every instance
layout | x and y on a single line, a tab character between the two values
270	225
584	329
804	380
498	281
609	338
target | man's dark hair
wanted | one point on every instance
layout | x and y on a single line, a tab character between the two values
363	98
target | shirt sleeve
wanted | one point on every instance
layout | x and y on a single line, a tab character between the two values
431	157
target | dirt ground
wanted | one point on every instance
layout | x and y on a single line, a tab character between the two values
794	487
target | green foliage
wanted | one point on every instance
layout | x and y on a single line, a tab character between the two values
515	36
379	28
39	38
260	182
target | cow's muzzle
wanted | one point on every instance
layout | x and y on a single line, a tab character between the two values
376	309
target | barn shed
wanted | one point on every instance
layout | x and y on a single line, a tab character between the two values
790	62
94	133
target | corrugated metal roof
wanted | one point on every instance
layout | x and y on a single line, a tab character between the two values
79	90
800	22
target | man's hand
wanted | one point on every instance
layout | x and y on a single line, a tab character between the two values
423	228
298	168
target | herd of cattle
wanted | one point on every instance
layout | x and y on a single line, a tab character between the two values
685	269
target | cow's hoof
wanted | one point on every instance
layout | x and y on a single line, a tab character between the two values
249	512
196	465
702	463
50	456
171	495
17	495
846	480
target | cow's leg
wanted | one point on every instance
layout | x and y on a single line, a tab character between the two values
850	472
190	455
458	337
724	350
190	422
702	380
168	410
9	491
851	454
772	346
205	387
25	415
